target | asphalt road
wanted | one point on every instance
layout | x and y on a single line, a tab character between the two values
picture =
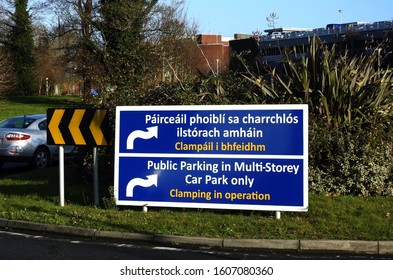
20	246
25	246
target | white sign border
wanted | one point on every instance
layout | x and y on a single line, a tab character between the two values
303	107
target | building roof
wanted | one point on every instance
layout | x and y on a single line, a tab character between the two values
287	29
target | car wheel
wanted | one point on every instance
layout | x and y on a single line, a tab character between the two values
41	158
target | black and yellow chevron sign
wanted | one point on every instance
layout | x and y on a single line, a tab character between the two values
79	127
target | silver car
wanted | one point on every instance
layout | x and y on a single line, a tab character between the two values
23	139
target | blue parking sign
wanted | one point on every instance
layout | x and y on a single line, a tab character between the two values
251	157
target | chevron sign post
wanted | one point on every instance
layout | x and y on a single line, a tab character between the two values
78	127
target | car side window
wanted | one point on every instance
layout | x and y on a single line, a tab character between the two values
15	123
42	125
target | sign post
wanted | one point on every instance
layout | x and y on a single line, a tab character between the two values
78	127
95	176
61	175
221	157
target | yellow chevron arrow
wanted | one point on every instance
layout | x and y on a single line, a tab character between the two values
74	127
53	126
95	127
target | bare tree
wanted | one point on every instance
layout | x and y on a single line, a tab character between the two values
51	66
73	32
7	77
84	38
173	38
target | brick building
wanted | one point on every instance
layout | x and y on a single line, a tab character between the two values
212	55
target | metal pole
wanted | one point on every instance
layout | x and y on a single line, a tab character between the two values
61	171
341	16
96	183
47	86
278	215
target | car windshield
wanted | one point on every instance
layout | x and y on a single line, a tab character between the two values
18	122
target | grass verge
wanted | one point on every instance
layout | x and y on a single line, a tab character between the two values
20	105
33	195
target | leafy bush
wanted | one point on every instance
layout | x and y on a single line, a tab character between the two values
224	89
351	160
350	101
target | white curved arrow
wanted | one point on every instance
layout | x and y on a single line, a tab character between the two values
140	182
150	133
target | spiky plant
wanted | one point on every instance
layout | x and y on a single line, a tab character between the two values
337	87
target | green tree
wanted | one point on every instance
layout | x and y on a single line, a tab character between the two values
125	51
20	43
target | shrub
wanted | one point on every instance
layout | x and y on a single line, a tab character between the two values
351	160
350	101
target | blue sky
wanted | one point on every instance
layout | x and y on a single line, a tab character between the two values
227	17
